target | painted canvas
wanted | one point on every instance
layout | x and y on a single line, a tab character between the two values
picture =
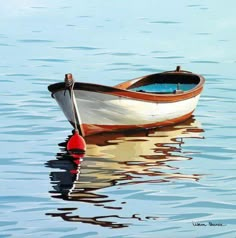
165	180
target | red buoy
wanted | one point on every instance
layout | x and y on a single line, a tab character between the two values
76	144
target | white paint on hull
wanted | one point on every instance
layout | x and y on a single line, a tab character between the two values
104	109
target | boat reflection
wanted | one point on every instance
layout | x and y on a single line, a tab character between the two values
119	159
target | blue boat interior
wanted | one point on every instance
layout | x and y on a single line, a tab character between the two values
163	88
165	83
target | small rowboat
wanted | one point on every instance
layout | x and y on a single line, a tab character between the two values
154	100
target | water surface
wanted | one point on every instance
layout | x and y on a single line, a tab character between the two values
138	184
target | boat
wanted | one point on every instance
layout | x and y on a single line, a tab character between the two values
150	101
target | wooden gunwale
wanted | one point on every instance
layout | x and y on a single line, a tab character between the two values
121	90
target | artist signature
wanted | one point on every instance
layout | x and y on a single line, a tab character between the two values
209	223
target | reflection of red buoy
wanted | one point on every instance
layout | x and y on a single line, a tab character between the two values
76	145
74	171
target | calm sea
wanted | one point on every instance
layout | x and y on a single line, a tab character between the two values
172	182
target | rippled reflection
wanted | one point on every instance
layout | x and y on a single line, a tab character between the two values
119	159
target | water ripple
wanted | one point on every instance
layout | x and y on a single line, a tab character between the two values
165	22
35	41
51	60
204	62
190	216
22	199
156	197
218	234
87	48
209	204
169	57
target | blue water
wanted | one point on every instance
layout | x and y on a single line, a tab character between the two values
154	184
164	87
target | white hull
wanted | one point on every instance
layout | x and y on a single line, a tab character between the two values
101	109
